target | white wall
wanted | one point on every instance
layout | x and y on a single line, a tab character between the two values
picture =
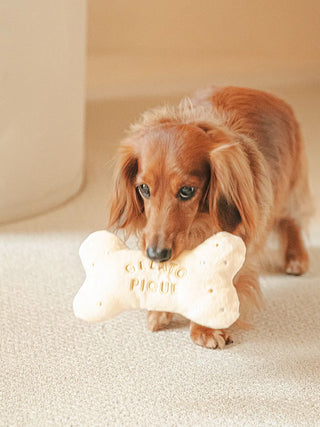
42	87
142	46
273	27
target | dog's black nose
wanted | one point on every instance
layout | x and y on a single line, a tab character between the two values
158	254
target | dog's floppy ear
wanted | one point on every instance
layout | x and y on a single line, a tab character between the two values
231	194
126	206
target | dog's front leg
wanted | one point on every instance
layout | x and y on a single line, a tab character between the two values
209	338
157	320
247	286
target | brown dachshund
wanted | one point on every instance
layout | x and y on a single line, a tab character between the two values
228	159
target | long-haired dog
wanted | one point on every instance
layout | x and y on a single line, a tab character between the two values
228	159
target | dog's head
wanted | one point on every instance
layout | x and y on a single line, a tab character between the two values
177	183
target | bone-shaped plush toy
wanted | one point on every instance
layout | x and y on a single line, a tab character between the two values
198	284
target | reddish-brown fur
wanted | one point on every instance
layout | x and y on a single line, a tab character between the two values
243	152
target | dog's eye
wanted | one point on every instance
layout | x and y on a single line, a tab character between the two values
144	191
186	193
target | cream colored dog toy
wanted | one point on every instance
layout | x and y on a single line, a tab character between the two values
198	284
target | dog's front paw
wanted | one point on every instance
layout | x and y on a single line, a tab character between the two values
158	320
209	338
297	265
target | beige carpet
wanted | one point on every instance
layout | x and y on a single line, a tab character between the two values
57	370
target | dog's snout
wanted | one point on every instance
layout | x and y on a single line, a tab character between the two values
158	254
